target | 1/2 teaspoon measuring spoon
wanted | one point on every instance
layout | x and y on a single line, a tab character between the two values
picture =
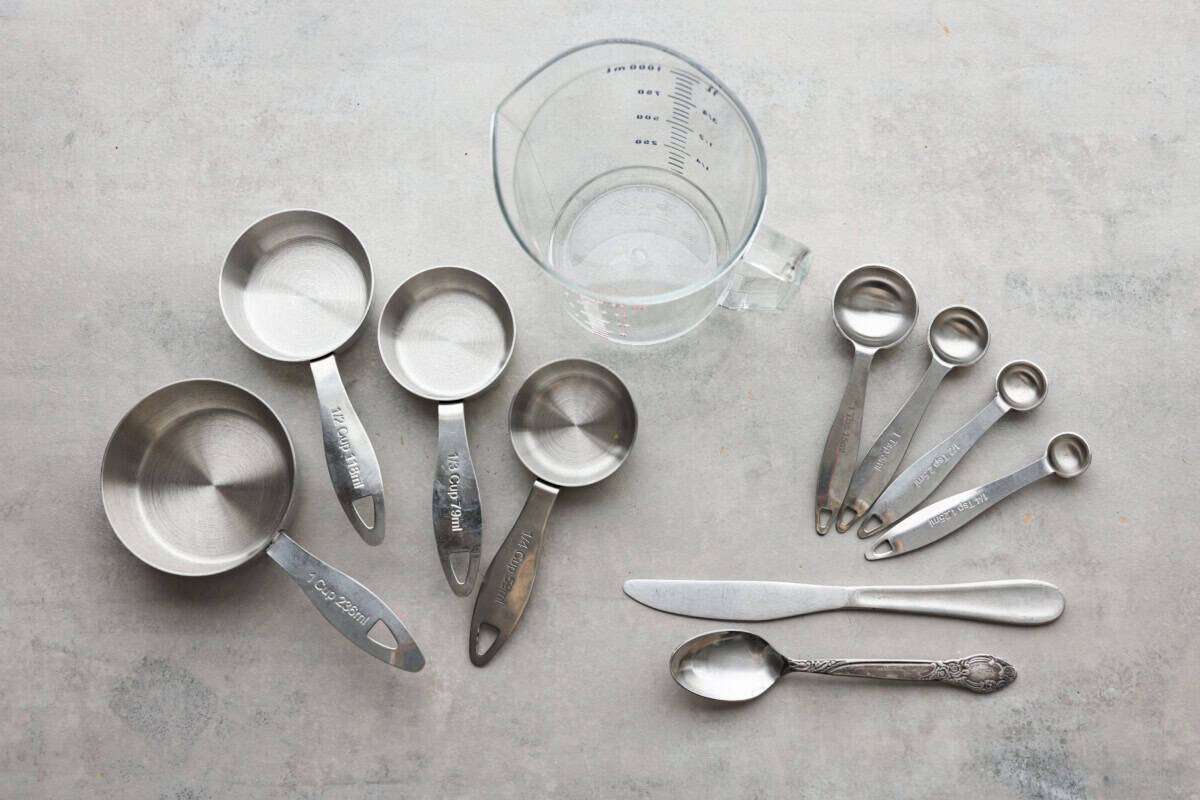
958	337
874	307
1067	456
1020	386
736	666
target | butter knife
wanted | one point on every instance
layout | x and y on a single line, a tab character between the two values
1013	602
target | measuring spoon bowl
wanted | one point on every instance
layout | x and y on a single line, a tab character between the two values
958	336
1022	385
572	423
446	334
1068	455
875	307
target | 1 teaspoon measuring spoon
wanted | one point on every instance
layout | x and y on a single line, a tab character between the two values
1067	456
736	666
1020	386
958	337
874	307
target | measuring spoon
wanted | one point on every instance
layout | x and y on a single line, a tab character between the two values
296	287
958	337
1020	386
446	334
1067	456
572	423
736	666
874	307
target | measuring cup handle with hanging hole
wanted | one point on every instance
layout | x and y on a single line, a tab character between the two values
351	608
349	456
508	582
457	513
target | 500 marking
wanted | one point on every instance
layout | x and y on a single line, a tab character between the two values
348	608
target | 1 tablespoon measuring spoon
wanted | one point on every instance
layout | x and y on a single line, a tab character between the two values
1020	386
1067	456
572	423
735	666
958	337
446	334
874	307
296	287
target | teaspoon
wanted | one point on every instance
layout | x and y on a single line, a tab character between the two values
736	666
874	307
958	337
1067	456
1020	386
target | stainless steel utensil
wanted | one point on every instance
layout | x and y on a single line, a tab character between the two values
1067	456
1020	386
295	287
736	666
198	478
1020	602
958	337
572	423
446	334
874	307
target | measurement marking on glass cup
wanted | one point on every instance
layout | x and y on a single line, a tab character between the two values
681	100
337	600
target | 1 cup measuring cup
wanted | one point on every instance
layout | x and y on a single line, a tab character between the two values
445	335
296	287
637	180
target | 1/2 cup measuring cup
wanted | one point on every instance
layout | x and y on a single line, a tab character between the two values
636	179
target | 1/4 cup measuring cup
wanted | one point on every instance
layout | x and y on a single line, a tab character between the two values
636	179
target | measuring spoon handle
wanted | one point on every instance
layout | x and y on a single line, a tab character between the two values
508	582
939	520
925	474
351	460
841	445
982	674
457	516
879	465
347	605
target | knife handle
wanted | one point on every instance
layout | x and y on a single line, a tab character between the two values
1018	602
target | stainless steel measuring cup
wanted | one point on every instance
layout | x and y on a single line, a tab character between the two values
958	337
198	478
445	335
637	180
1020	386
874	307
296	286
1067	456
572	423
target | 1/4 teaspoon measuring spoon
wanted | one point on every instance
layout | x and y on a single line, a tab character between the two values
1067	456
736	666
1020	386
874	307
958	337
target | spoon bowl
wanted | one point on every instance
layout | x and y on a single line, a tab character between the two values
874	306
1022	385
733	666
958	336
1069	455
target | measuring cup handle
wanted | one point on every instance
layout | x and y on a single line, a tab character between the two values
842	442
768	272
508	581
351	460
457	518
347	605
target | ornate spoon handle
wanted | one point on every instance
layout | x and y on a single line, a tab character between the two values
982	674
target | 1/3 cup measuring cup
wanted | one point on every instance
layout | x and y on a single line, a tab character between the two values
636	179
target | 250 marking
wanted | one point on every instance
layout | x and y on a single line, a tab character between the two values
343	604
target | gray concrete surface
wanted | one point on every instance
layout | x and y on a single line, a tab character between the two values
1037	160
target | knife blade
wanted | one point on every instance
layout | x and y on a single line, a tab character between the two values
1013	602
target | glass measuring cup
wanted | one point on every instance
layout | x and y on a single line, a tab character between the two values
636	179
